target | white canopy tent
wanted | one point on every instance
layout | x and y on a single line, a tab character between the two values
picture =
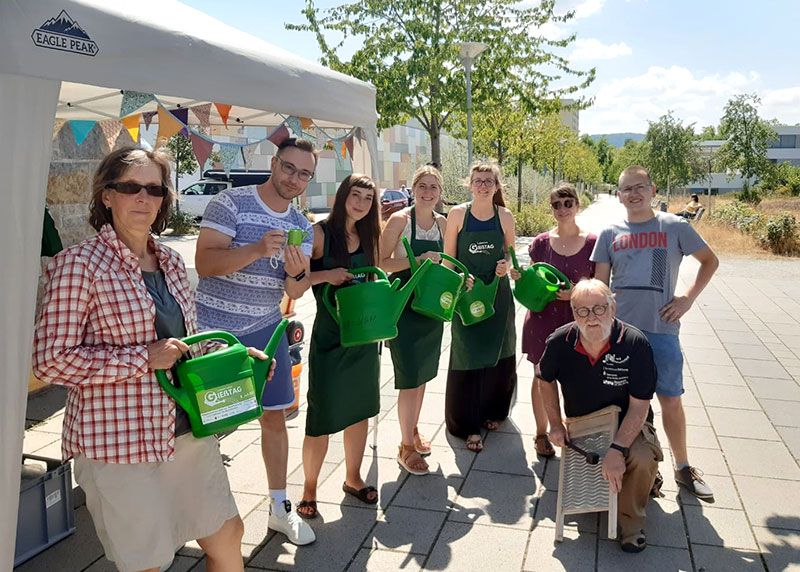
100	47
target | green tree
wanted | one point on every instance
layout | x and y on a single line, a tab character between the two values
631	153
708	133
183	154
673	157
409	51
747	137
581	164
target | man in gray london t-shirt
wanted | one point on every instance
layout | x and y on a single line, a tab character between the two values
639	258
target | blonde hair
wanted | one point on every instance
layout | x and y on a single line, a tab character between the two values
636	170
494	169
424	171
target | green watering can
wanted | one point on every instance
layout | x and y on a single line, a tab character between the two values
221	390
538	285
476	305
435	296
368	312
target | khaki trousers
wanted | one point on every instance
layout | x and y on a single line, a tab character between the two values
640	472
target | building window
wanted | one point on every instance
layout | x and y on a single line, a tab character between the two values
784	142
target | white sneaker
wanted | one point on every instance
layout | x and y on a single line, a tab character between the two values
284	520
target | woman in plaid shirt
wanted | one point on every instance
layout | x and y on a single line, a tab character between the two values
114	309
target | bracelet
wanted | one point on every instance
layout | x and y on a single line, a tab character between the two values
300	276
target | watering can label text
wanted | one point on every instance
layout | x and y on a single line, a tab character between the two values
477	309
446	300
227	400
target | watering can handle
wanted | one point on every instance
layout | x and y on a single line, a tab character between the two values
560	275
412	259
369	270
326	299
455	262
229	338
514	258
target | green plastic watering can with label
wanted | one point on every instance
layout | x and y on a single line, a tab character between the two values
368	312
476	305
436	293
538	285
221	390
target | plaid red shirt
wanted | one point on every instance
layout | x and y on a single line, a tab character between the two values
96	319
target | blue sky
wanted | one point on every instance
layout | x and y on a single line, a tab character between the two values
688	56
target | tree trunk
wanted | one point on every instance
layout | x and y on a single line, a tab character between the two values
436	154
500	151
519	184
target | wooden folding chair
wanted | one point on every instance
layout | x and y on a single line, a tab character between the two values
581	487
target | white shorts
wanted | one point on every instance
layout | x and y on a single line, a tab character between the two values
144	512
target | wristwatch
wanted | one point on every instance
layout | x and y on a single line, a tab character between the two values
300	276
624	450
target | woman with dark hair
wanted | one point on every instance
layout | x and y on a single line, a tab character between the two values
113	311
567	247
343	383
418	345
482	375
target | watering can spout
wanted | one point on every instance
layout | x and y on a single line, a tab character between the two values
261	367
404	293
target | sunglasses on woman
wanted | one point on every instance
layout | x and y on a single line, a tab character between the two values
134	188
566	203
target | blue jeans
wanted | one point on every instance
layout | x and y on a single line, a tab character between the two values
669	363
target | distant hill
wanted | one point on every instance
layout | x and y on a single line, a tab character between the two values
618	139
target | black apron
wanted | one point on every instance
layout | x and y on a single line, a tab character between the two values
418	345
343	383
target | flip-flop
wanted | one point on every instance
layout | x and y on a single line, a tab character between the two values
311	504
361	494
543	446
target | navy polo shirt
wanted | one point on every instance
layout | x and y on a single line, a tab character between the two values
624	368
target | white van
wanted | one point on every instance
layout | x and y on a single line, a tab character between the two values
194	198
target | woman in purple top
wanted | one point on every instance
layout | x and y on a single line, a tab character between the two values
567	247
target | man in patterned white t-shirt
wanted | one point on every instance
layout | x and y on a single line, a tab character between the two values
245	266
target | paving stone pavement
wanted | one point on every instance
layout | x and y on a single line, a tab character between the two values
495	510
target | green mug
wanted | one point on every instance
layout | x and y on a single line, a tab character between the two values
296	236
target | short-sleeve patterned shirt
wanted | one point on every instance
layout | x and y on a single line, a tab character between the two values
247	300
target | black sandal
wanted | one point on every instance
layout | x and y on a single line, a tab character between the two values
362	494
310	504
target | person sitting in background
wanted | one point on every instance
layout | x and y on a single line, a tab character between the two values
601	361
691	208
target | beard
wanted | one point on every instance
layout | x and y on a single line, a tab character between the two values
285	192
596	335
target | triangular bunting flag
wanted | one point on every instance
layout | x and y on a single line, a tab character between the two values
322	139
147	117
305	122
202	112
294	124
167	126
344	150
131	123
133	100
110	129
81	130
278	136
224	110
202	149
348	143
359	133
229	154
181	114
248	151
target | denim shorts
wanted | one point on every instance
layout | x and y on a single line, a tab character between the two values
669	363
279	391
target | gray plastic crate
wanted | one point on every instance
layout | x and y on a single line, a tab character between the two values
46	514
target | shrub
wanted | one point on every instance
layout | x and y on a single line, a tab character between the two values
750	195
780	234
532	219
739	215
182	222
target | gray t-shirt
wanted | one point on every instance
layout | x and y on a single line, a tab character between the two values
645	258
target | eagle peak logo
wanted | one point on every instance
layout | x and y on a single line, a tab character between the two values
66	35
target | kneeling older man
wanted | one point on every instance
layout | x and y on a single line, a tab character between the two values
601	361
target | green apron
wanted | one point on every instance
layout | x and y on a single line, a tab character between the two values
416	349
343	383
485	343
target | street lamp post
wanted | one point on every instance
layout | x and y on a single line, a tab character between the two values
469	53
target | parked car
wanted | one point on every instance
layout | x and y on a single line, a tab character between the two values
195	198
392	200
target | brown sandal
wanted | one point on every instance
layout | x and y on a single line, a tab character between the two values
474	443
421	444
414	466
543	446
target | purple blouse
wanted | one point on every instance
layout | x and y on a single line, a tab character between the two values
539	325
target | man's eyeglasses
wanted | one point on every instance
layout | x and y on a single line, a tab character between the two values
640	189
598	310
566	203
290	169
131	188
483	182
